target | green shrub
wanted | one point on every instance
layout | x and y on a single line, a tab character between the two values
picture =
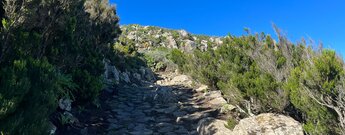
280	59
150	61
28	95
125	55
43	60
157	59
177	57
318	79
230	69
89	86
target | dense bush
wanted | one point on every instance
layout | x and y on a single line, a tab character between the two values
320	80
260	76
178	57
230	69
51	49
126	55
157	59
28	94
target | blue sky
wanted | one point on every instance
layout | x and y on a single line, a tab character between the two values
320	20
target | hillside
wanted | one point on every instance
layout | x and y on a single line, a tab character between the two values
253	72
69	68
150	37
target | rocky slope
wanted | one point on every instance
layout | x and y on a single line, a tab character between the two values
147	37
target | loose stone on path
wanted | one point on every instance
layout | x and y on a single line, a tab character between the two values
155	110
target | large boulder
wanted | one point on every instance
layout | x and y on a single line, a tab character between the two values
263	124
268	124
212	126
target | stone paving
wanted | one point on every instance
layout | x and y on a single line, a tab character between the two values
157	110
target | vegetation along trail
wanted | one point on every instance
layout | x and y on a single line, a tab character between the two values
67	67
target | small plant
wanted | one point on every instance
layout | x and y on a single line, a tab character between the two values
231	123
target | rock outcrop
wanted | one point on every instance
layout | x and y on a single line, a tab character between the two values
112	74
268	124
263	124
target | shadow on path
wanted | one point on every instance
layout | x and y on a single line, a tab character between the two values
149	109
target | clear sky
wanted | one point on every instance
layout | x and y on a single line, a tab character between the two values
321	20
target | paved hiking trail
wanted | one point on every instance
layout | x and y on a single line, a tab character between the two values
173	105
167	107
